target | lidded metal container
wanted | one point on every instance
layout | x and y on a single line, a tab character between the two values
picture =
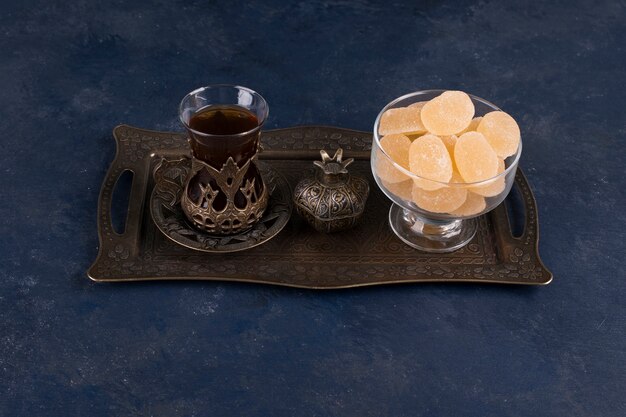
332	200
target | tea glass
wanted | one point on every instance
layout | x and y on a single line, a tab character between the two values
224	193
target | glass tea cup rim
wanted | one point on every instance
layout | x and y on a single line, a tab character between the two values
214	87
412	175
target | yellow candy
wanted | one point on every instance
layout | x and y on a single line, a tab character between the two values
397	147
414	136
418	104
473	204
448	114
401	190
444	200
494	187
449	142
401	120
474	157
430	160
501	131
473	125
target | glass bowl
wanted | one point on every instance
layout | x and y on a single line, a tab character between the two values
416	215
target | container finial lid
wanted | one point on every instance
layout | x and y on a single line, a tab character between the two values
333	165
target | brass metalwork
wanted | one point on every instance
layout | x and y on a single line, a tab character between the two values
230	181
368	254
165	207
332	200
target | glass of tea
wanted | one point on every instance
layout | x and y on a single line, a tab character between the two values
224	192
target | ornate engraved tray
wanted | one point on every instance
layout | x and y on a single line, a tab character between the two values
299	256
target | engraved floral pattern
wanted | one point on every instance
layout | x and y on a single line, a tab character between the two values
119	253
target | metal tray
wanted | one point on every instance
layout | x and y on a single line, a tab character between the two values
369	254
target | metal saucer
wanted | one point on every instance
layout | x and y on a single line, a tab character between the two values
168	216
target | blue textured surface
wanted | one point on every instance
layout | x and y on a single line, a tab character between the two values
70	71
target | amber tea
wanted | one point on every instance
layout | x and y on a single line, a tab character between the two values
227	127
223	120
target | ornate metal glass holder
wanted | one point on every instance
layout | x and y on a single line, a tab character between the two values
171	174
236	215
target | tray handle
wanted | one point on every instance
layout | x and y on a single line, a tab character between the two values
503	222
120	246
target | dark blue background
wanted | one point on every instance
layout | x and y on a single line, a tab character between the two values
71	70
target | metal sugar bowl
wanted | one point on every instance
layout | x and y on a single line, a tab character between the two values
332	200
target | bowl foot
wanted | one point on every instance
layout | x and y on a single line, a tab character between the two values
430	235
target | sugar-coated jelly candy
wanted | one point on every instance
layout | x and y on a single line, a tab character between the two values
473	204
443	200
401	120
413	136
501	131
449	141
473	125
401	190
474	157
430	160
397	147
448	113
418	104
493	187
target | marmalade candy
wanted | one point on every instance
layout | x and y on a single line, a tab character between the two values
473	204
501	131
404	120
449	142
474	158
472	126
494	187
430	160
448	114
397	147
401	190
443	200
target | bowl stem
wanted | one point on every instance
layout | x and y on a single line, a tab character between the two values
430	235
